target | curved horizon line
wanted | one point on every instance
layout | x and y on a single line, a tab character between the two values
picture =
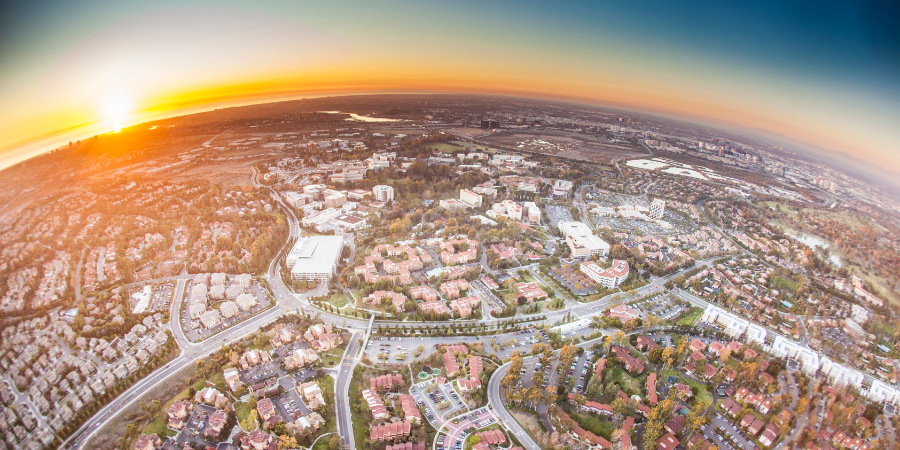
31	148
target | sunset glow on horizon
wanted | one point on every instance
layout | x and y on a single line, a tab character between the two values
842	92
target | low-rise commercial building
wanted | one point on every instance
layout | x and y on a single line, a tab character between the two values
581	241
315	258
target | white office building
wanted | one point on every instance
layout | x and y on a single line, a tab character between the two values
840	375
786	348
881	392
562	188
657	209
581	241
472	199
315	258
609	277
383	193
320	218
534	213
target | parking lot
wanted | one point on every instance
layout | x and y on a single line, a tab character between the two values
664	339
408	345
662	306
493	302
162	296
396	351
290	406
195	425
838	337
194	330
576	374
572	279
468	423
597	197
259	373
726	436
557	214
289	348
438	399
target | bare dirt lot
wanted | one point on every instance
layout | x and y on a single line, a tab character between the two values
562	144
234	173
467	132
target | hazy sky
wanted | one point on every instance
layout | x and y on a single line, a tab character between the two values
827	73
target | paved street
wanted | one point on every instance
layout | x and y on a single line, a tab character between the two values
288	302
342	393
505	417
719	422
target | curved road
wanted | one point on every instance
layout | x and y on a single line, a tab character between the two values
289	302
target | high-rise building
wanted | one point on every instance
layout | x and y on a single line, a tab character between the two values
657	208
383	193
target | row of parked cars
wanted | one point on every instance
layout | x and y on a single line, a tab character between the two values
579	387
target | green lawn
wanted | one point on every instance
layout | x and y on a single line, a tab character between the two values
783	284
332	357
631	385
689	318
702	393
218	379
242	411
444	147
338	300
846	218
354	296
266	348
159	426
528	278
594	424
322	444
160	423
547	305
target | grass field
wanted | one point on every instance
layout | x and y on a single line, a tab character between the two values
783	284
322	443
690	317
218	379
702	393
844	218
242	411
444	147
528	421
338	300
547	305
876	281
159	425
332	357
354	296
631	385
594	424
479	148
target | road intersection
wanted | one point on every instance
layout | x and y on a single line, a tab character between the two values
288	302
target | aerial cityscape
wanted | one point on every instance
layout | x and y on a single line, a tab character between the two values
438	266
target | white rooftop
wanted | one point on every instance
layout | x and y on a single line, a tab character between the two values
315	253
582	234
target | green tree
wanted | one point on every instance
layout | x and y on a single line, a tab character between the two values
566	357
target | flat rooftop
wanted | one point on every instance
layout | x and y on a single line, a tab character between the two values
315	254
582	234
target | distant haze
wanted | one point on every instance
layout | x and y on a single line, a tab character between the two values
828	75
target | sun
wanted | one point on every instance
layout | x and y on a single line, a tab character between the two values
116	106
